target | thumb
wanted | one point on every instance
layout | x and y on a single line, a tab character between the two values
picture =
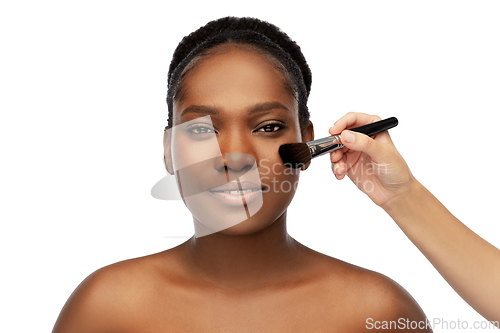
363	143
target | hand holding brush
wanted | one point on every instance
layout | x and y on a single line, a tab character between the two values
374	165
296	155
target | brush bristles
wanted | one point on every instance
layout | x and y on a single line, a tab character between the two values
295	155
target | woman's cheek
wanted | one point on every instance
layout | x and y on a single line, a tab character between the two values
186	152
289	179
277	178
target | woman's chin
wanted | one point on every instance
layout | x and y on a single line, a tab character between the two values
256	223
213	215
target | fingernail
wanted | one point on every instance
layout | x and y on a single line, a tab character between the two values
348	136
335	167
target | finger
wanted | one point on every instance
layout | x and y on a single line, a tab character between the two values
348	157
344	150
383	137
336	155
335	169
335	166
339	168
351	120
360	142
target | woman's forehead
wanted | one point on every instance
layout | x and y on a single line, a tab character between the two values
237	76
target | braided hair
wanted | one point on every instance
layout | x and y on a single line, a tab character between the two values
261	36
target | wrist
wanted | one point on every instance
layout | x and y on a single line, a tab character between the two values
403	204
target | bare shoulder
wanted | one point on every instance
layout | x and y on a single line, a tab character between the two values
105	300
372	300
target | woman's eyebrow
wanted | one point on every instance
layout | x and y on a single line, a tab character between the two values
261	107
200	109
209	110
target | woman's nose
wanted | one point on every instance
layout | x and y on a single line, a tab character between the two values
237	154
239	161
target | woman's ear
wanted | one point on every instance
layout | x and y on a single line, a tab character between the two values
308	132
167	153
308	136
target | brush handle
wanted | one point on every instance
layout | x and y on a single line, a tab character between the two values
376	127
325	145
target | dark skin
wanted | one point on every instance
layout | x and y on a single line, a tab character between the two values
251	277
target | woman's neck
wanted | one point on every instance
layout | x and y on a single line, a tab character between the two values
244	261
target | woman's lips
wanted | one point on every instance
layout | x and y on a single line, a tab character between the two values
235	197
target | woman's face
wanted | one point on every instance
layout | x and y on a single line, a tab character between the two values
234	113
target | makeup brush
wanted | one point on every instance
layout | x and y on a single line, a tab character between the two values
295	155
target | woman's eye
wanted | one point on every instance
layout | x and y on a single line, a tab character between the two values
270	128
200	130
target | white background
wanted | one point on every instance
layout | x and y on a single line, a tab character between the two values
83	88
